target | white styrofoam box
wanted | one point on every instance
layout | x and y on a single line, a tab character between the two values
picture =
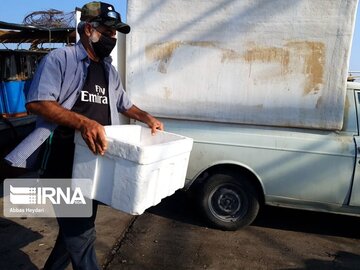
280	63
137	170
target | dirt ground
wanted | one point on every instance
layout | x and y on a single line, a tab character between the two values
173	236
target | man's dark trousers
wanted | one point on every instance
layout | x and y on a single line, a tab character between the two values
76	237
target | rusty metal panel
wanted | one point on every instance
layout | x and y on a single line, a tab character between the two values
280	63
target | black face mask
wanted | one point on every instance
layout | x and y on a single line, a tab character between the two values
104	46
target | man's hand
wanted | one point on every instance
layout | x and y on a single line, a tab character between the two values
155	124
94	135
137	114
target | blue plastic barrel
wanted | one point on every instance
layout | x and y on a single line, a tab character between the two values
14	97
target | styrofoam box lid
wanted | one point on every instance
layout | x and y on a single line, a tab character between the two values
137	144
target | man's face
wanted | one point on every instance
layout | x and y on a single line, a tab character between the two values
99	40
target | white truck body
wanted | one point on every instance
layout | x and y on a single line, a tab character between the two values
280	63
261	88
311	169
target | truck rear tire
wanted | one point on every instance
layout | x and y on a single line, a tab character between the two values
229	202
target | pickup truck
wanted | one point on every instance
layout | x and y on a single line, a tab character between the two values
261	88
237	168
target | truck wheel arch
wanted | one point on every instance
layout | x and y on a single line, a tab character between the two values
232	168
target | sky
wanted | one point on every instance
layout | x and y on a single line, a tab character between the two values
14	11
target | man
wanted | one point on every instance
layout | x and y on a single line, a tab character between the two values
77	88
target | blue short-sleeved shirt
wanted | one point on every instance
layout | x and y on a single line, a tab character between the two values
60	77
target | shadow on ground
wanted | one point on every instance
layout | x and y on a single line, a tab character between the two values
13	237
342	260
181	207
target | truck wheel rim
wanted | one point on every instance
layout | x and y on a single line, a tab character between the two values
227	203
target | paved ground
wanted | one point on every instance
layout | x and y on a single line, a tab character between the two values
173	236
26	243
